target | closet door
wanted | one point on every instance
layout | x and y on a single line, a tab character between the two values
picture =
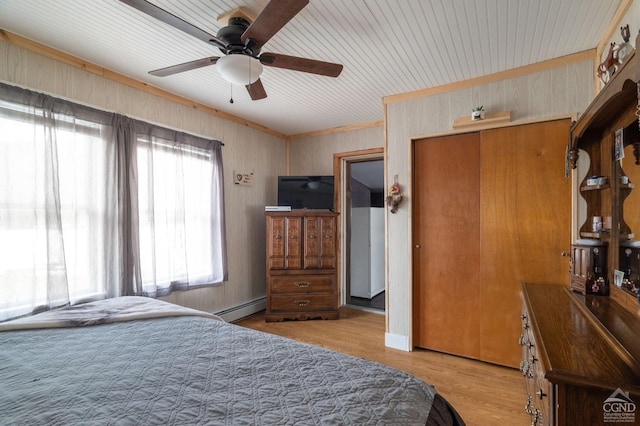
525	205
491	210
446	244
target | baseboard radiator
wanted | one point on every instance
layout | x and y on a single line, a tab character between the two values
241	311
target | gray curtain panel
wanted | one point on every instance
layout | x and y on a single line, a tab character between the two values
95	204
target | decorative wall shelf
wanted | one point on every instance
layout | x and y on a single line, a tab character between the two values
612	113
496	118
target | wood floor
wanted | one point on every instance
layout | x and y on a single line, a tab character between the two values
484	394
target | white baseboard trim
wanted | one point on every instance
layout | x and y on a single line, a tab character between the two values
396	341
244	310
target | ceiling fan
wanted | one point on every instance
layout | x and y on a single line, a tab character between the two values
241	42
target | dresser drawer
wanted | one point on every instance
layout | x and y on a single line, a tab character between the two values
301	284
301	302
539	392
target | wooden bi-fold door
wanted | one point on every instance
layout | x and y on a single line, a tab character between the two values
446	244
492	209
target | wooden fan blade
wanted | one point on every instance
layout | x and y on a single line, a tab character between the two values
187	66
256	90
301	64
272	18
171	19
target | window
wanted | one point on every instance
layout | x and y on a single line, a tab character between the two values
53	182
79	222
177	221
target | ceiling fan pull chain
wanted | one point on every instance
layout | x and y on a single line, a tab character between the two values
231	100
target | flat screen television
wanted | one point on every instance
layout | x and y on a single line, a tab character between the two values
306	192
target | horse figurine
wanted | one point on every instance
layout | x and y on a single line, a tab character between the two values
609	66
625	48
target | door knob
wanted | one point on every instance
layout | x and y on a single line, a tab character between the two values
417	245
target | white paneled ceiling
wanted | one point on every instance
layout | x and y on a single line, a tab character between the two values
387	47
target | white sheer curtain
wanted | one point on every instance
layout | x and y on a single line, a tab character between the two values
95	205
180	195
58	224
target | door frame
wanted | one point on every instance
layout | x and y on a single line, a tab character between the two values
340	161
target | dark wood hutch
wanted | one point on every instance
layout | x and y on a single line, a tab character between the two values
301	265
581	342
614	110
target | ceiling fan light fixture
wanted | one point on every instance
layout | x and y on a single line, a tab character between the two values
239	69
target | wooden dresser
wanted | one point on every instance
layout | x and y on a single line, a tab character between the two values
301	265
580	358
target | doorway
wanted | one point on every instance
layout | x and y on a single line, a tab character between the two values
364	249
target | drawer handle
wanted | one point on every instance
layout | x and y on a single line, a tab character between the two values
302	303
527	408
525	369
537	416
523	340
303	284
534	414
278	237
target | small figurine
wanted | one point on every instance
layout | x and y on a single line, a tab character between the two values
599	286
477	113
394	198
625	48
609	66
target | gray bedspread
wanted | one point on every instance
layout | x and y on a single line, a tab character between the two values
191	370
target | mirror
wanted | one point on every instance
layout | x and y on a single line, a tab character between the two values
630	249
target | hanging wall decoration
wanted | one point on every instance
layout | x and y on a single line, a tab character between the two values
395	196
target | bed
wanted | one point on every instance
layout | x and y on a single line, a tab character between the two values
135	360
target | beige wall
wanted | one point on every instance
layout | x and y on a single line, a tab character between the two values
314	155
244	204
567	89
563	90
